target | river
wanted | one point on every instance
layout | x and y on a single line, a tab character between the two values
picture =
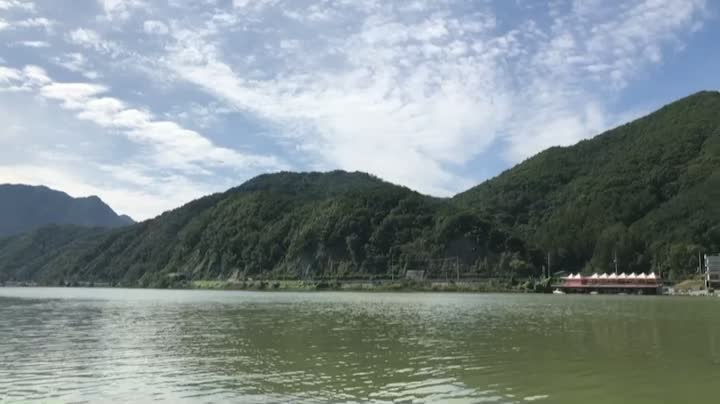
115	345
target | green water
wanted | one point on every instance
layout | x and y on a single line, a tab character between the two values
95	345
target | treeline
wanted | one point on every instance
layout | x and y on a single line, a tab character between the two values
282	226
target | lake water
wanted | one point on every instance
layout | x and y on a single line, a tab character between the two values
113	345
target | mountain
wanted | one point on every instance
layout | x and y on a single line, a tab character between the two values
285	225
24	208
647	193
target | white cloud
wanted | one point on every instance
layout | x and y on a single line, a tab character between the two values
39	22
25	5
418	92
9	75
155	27
252	3
200	115
77	62
90	39
132	191
34	44
121	9
35	76
589	56
13	80
36	22
405	94
412	96
172	154
82	36
174	146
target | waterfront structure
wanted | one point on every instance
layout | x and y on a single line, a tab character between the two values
642	283
712	271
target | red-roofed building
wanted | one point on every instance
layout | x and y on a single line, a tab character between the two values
645	284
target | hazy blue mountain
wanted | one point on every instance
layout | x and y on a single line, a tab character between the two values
24	208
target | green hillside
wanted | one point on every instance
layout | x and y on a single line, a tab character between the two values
286	225
648	192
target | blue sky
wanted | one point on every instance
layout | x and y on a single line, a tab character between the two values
152	103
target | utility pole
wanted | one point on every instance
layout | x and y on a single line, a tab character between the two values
548	264
699	263
615	260
457	268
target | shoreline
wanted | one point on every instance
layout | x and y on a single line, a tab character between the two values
490	286
493	285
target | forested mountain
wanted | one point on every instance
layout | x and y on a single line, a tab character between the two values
648	192
24	208
282	225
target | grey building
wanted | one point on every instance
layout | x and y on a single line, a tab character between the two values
712	271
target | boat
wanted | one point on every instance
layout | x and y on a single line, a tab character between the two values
558	292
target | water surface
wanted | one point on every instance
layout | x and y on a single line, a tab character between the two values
112	345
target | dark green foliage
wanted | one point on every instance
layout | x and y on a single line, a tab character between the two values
24	208
647	192
280	226
637	190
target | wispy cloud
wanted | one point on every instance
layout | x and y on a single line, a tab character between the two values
39	22
34	44
399	91
121	9
174	146
90	39
168	146
36	22
587	56
155	27
203	94
25	5
131	192
78	63
411	93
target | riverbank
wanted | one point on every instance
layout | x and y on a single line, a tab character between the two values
376	285
490	286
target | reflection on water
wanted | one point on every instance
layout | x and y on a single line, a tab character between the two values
195	346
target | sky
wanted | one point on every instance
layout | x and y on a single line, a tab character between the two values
150	104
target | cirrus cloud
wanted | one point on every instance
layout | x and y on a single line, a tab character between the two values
436	95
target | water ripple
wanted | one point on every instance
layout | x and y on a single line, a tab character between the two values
87	345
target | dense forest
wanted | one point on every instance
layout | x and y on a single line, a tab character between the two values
647	192
285	225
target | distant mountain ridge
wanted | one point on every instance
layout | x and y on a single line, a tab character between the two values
25	208
647	192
